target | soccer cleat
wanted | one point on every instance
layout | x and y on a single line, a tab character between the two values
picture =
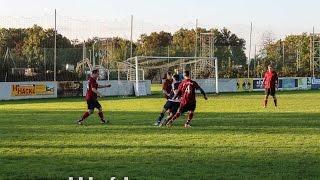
102	121
156	124
163	122
187	126
80	122
169	124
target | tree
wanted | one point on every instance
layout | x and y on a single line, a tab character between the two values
295	47
37	39
154	44
229	49
184	42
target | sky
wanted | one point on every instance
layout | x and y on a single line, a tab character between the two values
82	18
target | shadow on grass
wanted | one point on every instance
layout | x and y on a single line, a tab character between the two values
147	147
75	99
155	95
54	122
46	160
214	164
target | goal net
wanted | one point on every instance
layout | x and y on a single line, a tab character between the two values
204	70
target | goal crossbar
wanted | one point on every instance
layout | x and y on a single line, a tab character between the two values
150	62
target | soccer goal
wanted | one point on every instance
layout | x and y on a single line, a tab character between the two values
204	70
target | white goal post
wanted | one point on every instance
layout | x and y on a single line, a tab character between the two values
200	68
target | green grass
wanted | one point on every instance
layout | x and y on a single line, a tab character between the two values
232	138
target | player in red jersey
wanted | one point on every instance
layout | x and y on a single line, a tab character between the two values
167	85
171	105
270	83
92	96
166	90
187	92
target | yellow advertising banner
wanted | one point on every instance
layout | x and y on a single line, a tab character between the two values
244	84
31	90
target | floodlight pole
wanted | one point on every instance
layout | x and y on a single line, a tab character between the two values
283	53
93	55
55	48
255	61
137	77
297	61
310	39
196	48
313	42
45	63
249	51
131	40
196	40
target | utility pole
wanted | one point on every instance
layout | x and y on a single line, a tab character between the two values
283	53
313	53
255	60
250	51
131	40
196	49
196	40
55	47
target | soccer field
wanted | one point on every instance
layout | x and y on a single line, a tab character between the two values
232	137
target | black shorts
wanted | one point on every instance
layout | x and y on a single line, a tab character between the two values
187	107
93	104
270	91
172	106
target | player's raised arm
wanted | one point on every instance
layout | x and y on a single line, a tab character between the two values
201	91
104	86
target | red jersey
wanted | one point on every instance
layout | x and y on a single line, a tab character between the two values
92	83
187	91
270	79
167	86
